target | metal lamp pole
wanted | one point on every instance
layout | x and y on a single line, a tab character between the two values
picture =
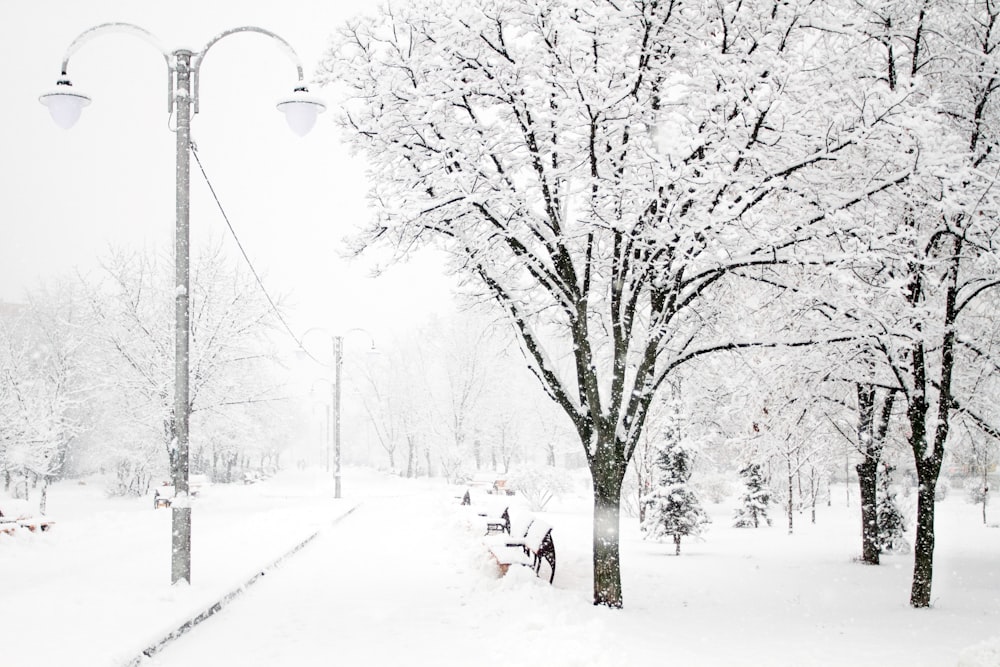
180	541
338	363
183	67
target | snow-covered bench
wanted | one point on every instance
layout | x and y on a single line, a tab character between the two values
500	488
163	495
497	523
34	523
12	521
530	548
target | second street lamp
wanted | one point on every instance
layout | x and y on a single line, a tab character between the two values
183	70
337	363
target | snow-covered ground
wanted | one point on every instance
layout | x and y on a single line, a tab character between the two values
404	579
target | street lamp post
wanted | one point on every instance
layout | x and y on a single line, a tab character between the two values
337	341
338	362
183	68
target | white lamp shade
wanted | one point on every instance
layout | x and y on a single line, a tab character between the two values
300	110
64	104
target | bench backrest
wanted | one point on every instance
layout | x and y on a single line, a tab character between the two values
519	524
535	534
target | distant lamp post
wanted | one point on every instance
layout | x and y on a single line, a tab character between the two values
183	73
337	363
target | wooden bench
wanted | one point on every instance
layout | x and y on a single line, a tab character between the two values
500	488
530	548
163	496
10	526
497	524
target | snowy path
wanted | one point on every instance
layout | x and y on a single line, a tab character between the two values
405	579
352	596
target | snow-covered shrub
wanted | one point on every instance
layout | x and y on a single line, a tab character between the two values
891	522
975	492
672	508
538	485
755	499
131	478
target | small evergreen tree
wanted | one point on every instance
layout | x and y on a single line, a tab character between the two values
672	508
891	523
753	504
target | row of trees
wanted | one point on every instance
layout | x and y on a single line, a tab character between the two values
87	376
654	185
451	400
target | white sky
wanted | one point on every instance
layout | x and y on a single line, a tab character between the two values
69	195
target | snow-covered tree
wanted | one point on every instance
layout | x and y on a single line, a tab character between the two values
600	170
755	499
672	508
929	263
977	455
443	387
232	366
46	371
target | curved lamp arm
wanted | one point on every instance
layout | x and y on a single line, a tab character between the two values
119	27
300	108
97	30
199	57
337	341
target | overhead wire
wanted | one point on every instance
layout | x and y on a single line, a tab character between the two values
253	270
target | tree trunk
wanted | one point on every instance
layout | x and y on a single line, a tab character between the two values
814	492
411	450
677	545
872	430
798	480
986	488
607	509
791	489
923	551
867	478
